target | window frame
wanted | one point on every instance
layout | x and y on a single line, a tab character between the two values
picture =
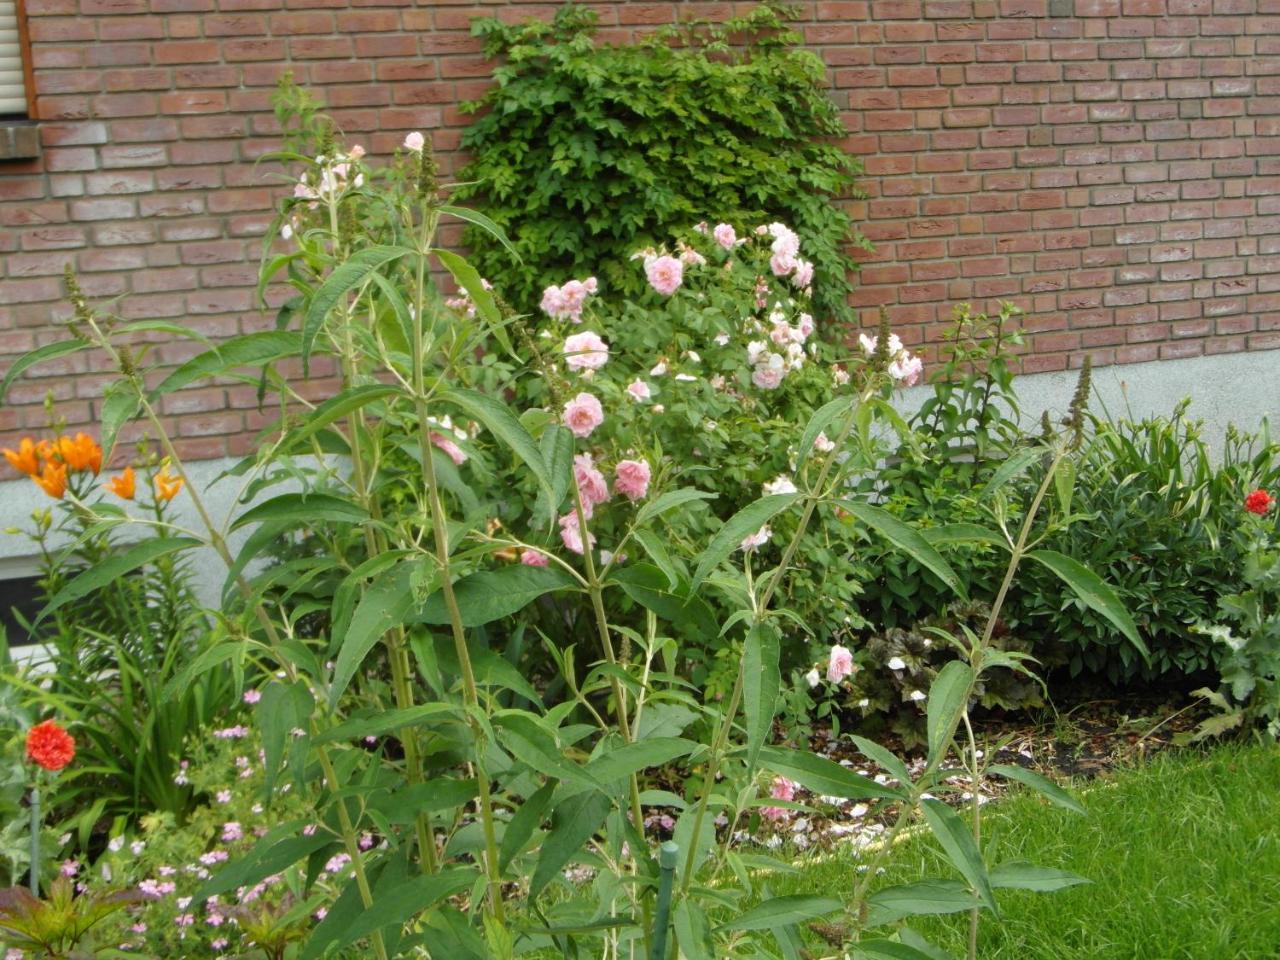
24	54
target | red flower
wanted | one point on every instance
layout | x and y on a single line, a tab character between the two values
50	746
1259	502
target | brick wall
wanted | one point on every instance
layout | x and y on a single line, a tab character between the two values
1113	166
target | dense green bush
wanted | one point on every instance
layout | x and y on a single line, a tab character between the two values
586	151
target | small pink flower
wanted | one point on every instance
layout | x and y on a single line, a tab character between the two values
758	539
906	369
585	351
840	664
665	274
632	478
591	482
356	152
252	696
639	391
582	415
782	264
232	831
783	789
724	235
69	868
768	376
415	142
534	558
571	533
451	449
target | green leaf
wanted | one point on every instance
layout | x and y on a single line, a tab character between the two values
1093	592
440	793
502	423
962	533
576	821
822	776
383	722
693	932
120	403
1019	875
947	699
913	939
386	603
305	508
527	739
669	501
484	223
821	419
730	535
283	707
887	950
333	409
556	444
402	901
523	823
762	679
493	594
647	585
782	912
343	279
1016	464
619	761
925	898
101	574
960	847
470	281
1038	783
247	350
269	856
888	761
50	351
906	539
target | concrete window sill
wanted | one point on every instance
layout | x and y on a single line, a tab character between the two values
19	139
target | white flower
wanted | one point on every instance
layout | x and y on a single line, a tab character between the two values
659	369
917	696
756	349
780	484
721	339
813	677
686	377
896	663
415	142
287	231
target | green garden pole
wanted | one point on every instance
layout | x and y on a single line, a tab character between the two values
668	856
35	841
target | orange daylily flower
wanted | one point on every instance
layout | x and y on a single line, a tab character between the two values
167	485
81	453
124	485
52	479
25	459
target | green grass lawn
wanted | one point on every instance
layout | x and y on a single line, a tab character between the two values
1183	854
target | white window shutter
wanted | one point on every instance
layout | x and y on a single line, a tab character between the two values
13	93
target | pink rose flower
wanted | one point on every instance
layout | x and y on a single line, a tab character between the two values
803	275
582	415
632	478
591	482
724	235
781	264
534	558
768	376
665	274
906	369
356	152
840	665
415	142
454	452
571	533
585	351
783	789
639	390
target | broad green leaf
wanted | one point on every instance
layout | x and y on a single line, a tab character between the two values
925	898
270	855
962	533
730	535
335	408
576	821
887	950
619	761
531	742
1038	783
305	508
386	603
439	793
402	901
822	776
762	679
821	419
50	351
556	444
1093	592
947	699
383	722
120	404
101	574
960	847
469	280
888	761
669	501
1018	875
1016	464
524	822
498	419
493	594
693	932
448	933
782	912
243	351
484	223
345	277
908	540
646	584
283	707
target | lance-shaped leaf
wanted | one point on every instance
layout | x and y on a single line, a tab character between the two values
1093	592
730	535
335	408
120	404
397	903
385	604
50	351
961	849
925	898
761	681
110	570
270	855
1038	783
821	419
283	707
498	419
248	350
822	776
493	594
299	508
524	822
1018	875
346	277
469	280
576	821
783	912
888	950
484	223
906	539
948	696
622	760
